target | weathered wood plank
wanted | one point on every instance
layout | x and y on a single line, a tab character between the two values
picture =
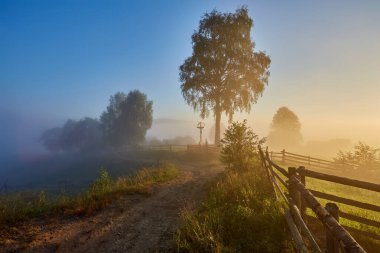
363	233
346	201
303	227
343	180
300	245
280	179
359	219
280	169
345	239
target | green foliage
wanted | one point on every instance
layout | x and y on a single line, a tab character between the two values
364	157
127	118
239	144
285	129
19	207
224	74
239	215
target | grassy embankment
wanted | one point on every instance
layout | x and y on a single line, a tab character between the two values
239	214
19	207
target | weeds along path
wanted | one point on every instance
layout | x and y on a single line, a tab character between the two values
133	223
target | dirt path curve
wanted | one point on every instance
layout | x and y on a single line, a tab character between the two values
133	223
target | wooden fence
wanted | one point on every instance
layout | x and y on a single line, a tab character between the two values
179	148
285	157
291	185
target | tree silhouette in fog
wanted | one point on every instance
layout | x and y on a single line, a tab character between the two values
285	129
84	135
51	139
127	118
125	121
224	74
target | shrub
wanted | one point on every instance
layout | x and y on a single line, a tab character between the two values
364	157
239	150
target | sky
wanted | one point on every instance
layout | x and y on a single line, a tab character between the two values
64	59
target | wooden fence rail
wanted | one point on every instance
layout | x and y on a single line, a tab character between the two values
298	198
311	162
177	148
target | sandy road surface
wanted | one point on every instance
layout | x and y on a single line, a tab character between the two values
134	223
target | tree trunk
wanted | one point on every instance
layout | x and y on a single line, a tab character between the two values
218	115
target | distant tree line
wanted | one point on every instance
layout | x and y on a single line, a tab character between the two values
125	121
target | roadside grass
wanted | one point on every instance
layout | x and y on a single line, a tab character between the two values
19	207
239	214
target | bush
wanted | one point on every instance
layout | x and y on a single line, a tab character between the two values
239	150
364	157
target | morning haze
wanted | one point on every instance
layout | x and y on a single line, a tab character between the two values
142	103
323	68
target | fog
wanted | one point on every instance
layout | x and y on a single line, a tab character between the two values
50	75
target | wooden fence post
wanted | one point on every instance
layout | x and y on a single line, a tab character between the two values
332	245
283	155
301	173
293	192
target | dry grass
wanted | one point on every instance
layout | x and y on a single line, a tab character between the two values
21	206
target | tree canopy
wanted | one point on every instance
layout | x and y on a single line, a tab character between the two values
224	74
285	129
127	118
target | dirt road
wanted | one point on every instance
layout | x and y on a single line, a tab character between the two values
134	223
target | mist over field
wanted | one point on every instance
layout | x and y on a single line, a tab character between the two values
57	120
189	126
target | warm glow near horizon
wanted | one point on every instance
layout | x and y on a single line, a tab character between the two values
325	60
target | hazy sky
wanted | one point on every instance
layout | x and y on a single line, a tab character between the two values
63	59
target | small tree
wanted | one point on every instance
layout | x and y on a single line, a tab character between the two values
239	146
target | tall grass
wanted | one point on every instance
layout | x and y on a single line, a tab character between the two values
239	214
20	207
